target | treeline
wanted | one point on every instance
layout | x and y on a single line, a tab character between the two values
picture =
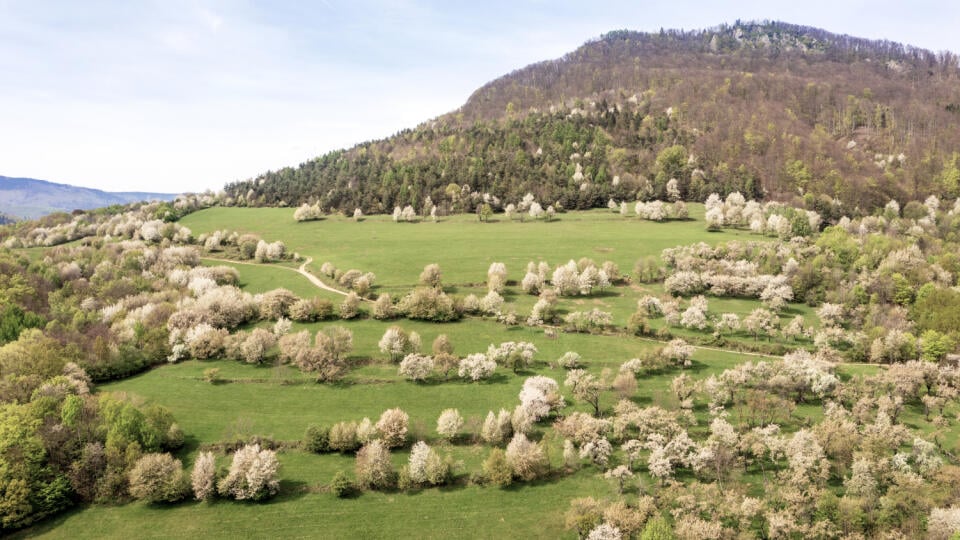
771	110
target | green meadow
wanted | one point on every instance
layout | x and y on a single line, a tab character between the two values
279	402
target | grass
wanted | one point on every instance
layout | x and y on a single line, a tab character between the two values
462	246
280	402
533	511
464	249
260	278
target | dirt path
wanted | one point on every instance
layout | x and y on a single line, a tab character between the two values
302	270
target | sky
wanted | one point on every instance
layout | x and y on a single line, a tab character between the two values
182	96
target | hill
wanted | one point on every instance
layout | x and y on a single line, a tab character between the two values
30	198
774	110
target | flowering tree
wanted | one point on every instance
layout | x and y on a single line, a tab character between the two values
597	450
679	352
157	478
515	355
396	343
540	395
374	469
585	387
476	367
449	423
416	367
431	276
694	317
526	459
497	277
203	477
620	474
761	321
253	474
392	426
729	322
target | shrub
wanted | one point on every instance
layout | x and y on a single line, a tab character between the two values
496	469
157	478
393	425
416	367
211	375
569	360
343	437
374	468
316	439
203	477
449	423
527	459
341	485
428	304
253	474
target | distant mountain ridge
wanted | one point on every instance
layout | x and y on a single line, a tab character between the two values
29	198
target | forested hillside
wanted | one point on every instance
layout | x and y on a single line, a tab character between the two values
772	110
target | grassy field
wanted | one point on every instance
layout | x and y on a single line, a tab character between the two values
259	400
279	402
260	278
464	249
462	246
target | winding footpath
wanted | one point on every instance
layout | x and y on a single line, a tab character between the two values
302	270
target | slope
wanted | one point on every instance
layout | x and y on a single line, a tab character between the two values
837	123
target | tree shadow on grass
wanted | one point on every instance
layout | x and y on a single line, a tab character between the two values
48	524
190	445
790	310
694	367
497	378
290	490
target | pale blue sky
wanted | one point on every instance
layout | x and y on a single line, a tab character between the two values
174	95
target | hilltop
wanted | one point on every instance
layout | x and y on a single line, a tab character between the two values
777	111
30	198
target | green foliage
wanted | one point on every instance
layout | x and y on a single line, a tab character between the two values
158	478
341	485
29	487
317	439
934	346
496	470
428	304
211	375
938	311
657	528
13	320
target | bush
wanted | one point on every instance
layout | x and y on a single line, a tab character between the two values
316	439
341	485
211	375
343	437
526	458
374	468
203	477
253	474
157	478
428	304
496	470
393	425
